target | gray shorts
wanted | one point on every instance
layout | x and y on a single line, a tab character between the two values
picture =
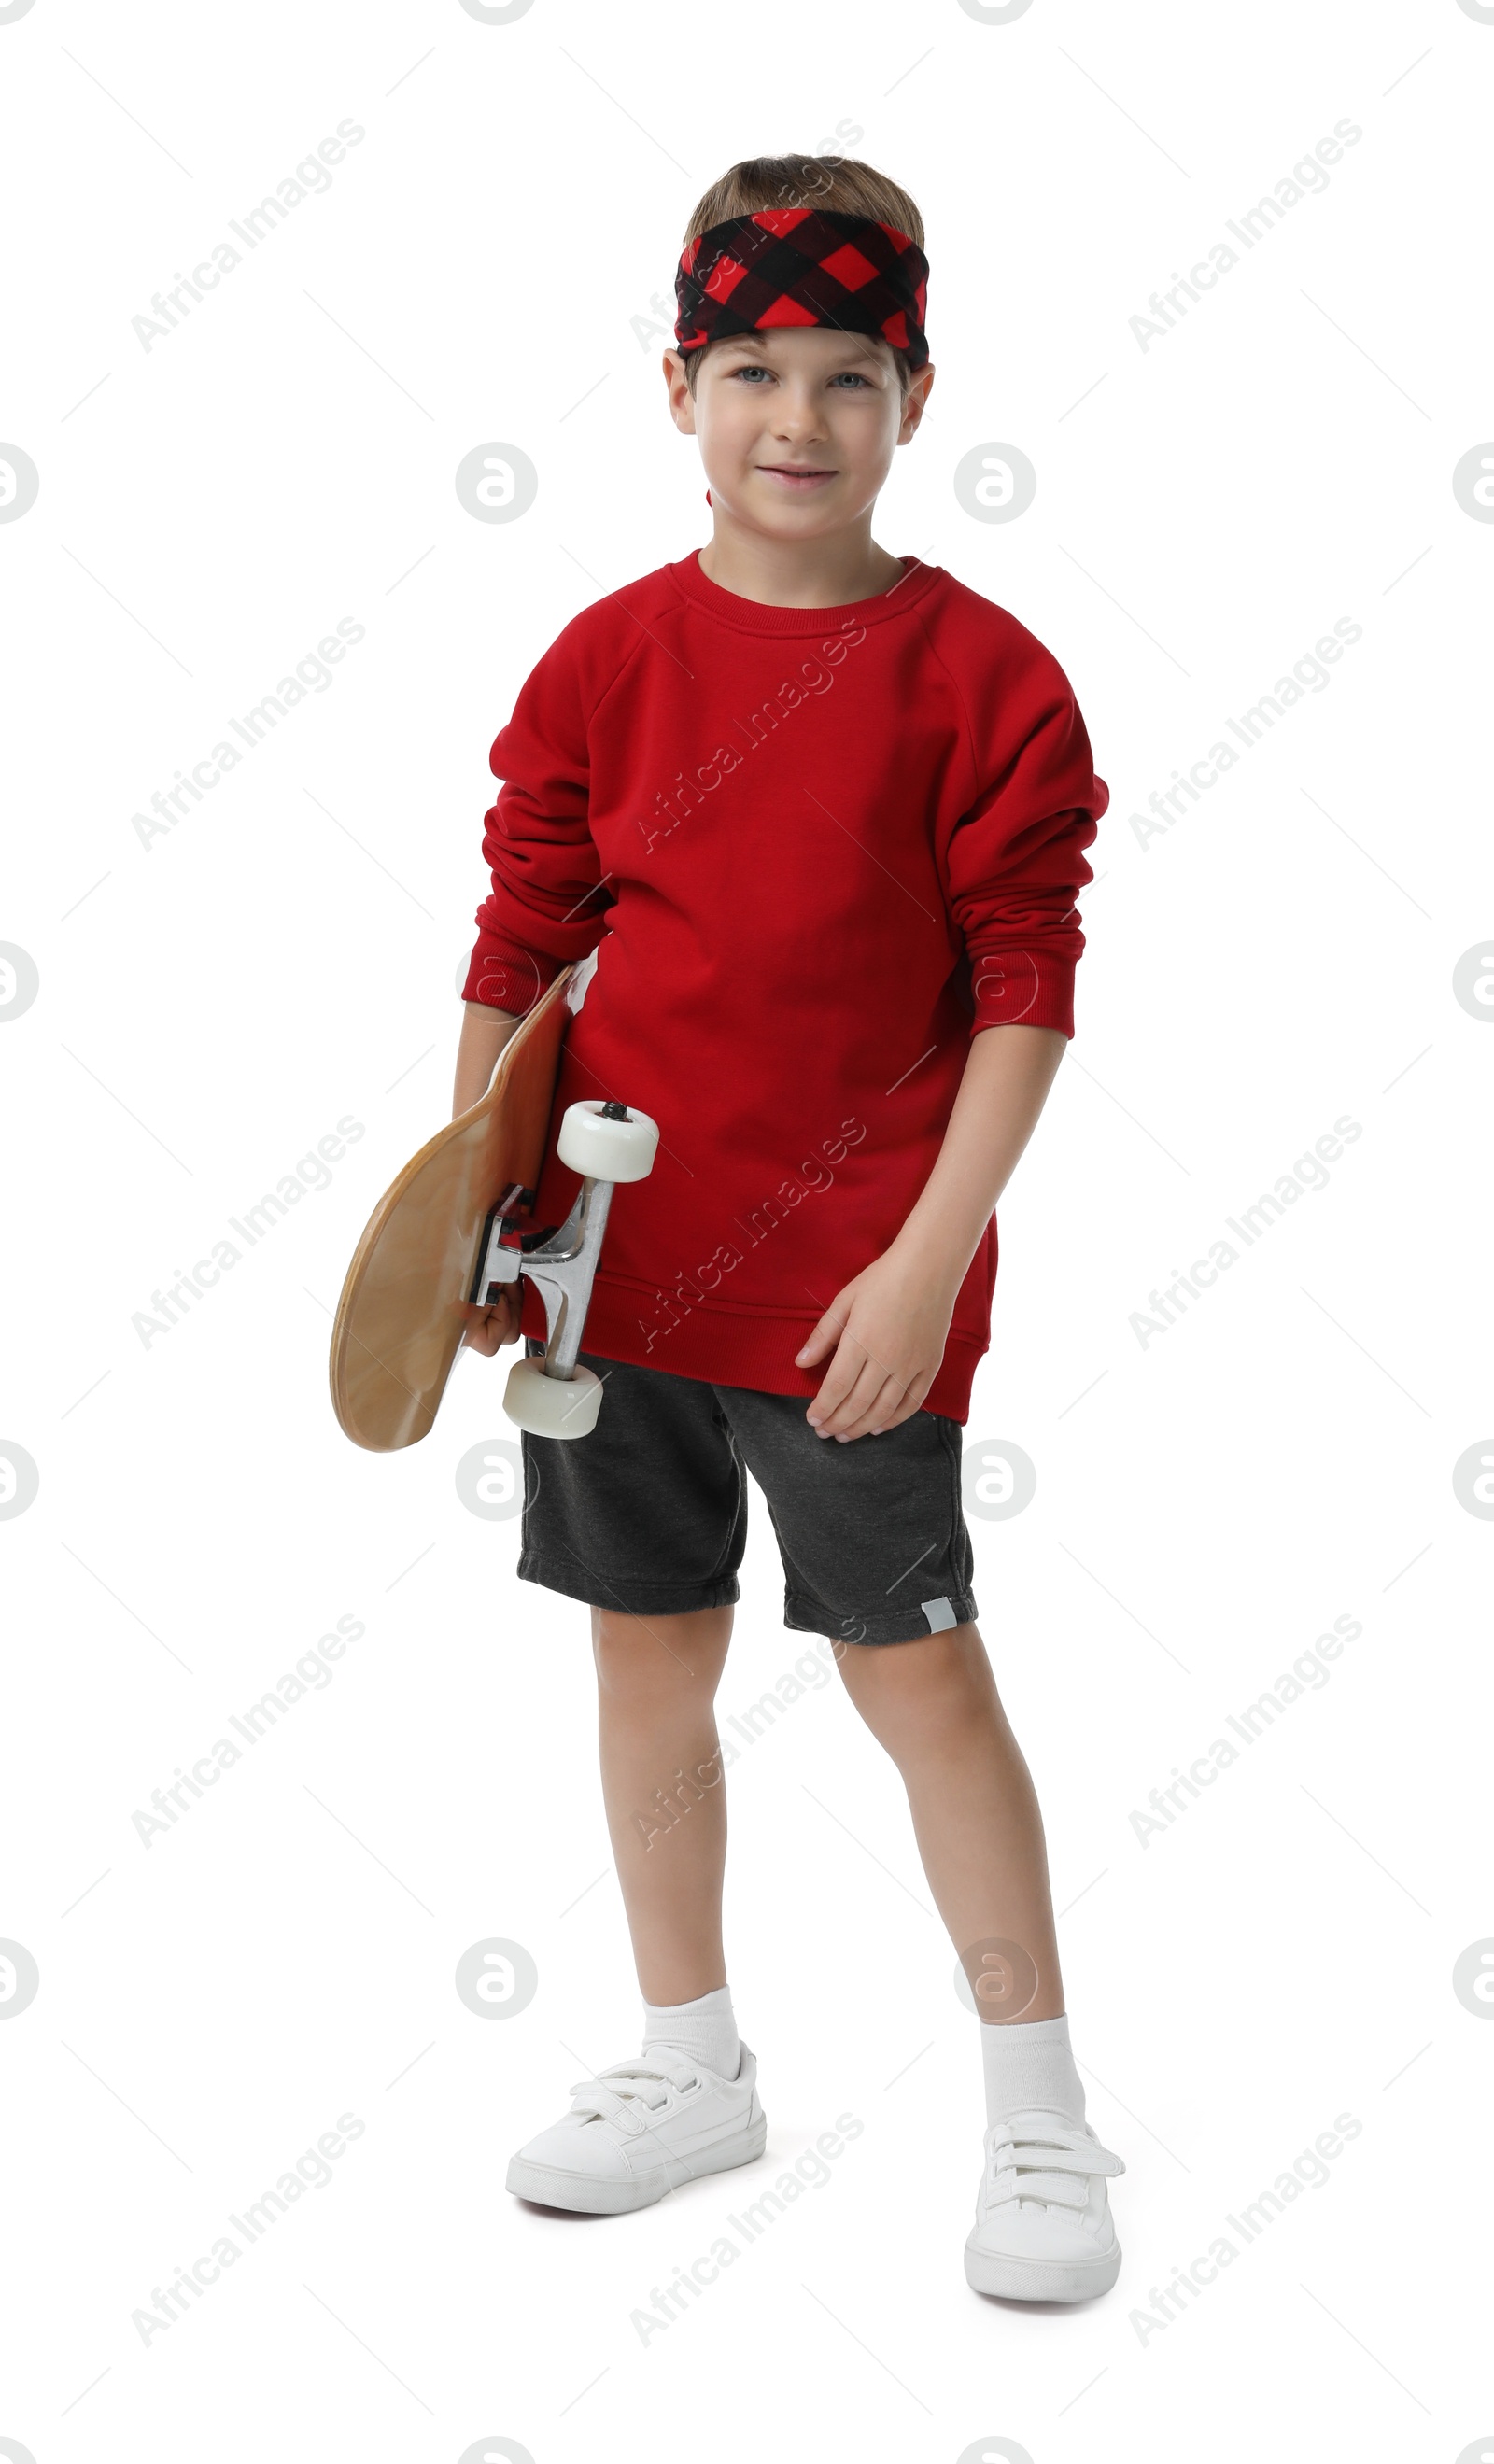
648	1512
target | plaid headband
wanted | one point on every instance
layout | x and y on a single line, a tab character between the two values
791	266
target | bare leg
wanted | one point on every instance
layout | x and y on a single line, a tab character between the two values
656	1683
933	1704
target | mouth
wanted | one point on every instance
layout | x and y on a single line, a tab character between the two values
798	478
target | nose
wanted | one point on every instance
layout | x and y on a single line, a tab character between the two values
797	413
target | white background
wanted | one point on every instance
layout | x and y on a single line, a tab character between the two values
1207	1504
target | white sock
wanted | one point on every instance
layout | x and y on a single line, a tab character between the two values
706	2028
1028	2062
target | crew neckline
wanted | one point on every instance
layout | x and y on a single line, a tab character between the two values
760	616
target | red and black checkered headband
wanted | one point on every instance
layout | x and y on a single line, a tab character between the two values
791	266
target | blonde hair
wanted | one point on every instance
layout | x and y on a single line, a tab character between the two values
832	184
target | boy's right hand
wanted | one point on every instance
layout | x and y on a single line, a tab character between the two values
492	1323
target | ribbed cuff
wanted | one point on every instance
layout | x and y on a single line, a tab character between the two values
1021	988
735	1347
505	976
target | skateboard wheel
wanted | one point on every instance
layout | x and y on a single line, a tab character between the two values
552	1407
603	1149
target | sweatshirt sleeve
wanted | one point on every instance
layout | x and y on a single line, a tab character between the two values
547	905
1014	862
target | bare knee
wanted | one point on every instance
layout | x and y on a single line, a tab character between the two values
659	1659
922	1696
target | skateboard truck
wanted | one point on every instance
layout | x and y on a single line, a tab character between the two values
549	1393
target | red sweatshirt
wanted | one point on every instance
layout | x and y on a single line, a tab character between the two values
816	851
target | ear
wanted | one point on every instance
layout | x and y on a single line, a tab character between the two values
682	407
913	406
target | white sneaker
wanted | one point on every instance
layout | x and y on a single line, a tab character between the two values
1043	2230
639	2128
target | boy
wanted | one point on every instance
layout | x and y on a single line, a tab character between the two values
815	815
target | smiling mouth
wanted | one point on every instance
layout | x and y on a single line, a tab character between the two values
793	475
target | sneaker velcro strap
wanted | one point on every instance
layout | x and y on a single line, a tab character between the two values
1027	2147
621	2093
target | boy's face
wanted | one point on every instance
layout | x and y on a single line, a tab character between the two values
796	427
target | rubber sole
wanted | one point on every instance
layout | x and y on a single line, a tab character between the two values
550	2186
1039	2279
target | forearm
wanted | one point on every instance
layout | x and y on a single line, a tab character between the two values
484	1034
1007	1076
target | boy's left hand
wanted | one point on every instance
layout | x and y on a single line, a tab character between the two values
887	1330
492	1322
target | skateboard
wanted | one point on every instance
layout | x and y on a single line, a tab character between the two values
456	1226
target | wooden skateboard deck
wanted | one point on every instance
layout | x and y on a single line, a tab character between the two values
403	1308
